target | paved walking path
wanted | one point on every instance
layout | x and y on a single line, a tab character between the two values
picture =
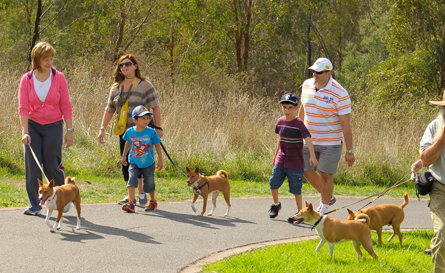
165	241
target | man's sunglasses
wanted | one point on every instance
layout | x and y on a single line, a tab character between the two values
126	64
319	73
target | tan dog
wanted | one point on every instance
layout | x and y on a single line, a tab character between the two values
203	185
332	230
57	198
381	215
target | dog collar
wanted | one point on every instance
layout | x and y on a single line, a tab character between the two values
318	222
52	197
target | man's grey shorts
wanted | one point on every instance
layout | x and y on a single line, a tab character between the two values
328	157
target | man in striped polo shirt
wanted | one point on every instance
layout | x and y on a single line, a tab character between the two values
325	110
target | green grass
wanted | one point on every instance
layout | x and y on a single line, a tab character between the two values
301	257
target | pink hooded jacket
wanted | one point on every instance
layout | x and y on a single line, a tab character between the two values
56	104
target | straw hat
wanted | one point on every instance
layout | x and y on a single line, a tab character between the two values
439	102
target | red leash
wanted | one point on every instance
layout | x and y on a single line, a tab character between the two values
379	195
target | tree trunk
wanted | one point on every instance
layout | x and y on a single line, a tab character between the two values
246	34
307	72
172	56
36	34
117	49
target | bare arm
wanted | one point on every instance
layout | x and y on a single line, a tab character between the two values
301	112
157	118
124	153
105	121
158	150
312	160
432	153
26	139
276	151
345	123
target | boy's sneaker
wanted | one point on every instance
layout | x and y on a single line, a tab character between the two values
274	209
125	201
151	206
129	206
29	211
142	199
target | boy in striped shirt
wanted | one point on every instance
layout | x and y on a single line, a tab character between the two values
288	160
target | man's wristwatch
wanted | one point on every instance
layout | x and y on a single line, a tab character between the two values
70	129
350	151
102	127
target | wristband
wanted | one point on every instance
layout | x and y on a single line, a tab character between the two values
156	127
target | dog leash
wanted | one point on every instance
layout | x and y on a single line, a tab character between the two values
37	162
169	158
379	193
384	192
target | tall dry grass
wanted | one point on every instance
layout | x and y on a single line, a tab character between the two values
209	122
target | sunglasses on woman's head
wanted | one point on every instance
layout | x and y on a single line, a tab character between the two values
126	64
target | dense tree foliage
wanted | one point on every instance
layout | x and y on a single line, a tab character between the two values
391	51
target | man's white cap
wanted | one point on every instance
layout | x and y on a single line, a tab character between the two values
321	64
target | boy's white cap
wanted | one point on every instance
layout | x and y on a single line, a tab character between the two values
321	64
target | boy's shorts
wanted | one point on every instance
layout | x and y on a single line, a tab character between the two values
148	176
328	157
295	178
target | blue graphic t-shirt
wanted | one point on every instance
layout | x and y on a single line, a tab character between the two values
142	145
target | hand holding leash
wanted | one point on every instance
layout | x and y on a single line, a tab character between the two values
26	139
415	168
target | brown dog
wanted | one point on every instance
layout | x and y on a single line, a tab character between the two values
203	185
381	215
58	197
332	230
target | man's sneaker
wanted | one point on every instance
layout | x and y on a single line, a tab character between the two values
125	201
129	206
29	211
428	251
332	201
142	199
274	209
151	206
67	208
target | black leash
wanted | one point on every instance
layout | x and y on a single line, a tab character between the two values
169	158
152	125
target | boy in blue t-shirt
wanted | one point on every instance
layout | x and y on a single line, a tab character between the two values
140	140
288	160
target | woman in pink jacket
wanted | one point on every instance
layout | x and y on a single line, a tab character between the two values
43	104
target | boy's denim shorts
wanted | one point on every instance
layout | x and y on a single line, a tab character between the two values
148	176
295	178
328	157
